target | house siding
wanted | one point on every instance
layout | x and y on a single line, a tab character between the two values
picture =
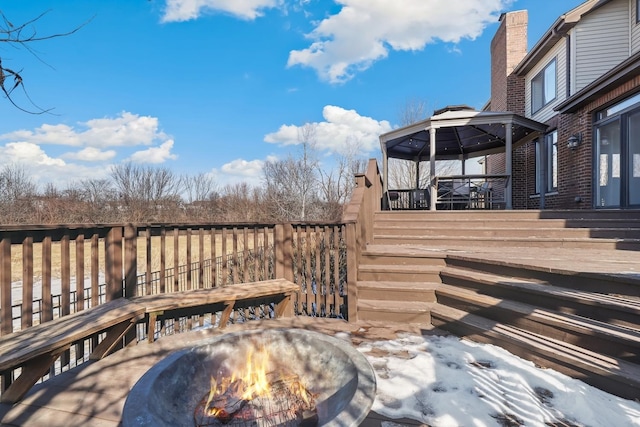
559	52
602	41
635	28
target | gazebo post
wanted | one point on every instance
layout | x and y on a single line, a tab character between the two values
508	163
433	191
385	172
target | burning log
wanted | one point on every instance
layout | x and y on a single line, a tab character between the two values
238	401
224	406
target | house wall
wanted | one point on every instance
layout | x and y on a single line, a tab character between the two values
602	41
635	28
559	52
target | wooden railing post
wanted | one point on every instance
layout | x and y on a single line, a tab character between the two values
283	249
351	239
130	260
283	246
5	286
113	263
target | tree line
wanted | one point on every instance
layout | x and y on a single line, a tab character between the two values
297	188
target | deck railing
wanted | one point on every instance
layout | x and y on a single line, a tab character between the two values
52	271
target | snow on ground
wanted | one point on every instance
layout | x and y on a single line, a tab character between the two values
446	381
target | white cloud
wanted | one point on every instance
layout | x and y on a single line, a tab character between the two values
27	153
240	170
96	141
43	168
91	154
365	30
185	10
340	129
154	155
125	130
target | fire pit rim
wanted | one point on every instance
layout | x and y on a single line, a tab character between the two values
136	413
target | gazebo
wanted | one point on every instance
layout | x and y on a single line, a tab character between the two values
458	133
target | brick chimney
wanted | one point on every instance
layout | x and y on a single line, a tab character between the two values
508	48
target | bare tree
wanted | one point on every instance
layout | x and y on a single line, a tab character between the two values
17	195
22	36
241	203
100	200
146	193
292	184
200	196
337	183
198	187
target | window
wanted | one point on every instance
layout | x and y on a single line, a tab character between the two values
637	11
543	87
549	143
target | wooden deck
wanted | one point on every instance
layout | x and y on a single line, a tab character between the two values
94	394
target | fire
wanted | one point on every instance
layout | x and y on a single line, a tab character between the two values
257	379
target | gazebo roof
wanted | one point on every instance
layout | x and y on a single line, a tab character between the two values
461	132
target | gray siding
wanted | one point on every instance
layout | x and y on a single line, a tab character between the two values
559	53
601	42
635	29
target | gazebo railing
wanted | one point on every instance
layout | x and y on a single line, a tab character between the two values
455	192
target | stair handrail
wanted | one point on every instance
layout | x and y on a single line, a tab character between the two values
358	219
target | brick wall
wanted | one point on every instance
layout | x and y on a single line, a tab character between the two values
576	167
508	48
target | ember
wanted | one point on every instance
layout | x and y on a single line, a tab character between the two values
287	403
256	396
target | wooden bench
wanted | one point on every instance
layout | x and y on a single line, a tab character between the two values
35	349
211	300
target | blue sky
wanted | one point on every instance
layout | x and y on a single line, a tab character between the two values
221	86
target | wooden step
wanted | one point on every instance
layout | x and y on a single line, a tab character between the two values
399	273
508	223
503	241
391	256
397	291
613	309
500	231
514	214
610	374
564	274
601	337
394	311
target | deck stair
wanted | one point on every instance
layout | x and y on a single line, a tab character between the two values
569	229
566	301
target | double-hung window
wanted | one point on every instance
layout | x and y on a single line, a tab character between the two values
547	162
543	87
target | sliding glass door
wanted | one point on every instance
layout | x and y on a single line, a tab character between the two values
617	155
633	141
608	165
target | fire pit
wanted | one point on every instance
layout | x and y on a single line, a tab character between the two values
311	379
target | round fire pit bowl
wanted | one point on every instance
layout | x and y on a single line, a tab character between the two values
339	376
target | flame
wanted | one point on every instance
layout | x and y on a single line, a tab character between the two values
255	379
255	375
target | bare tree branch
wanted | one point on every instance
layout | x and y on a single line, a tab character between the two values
21	36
